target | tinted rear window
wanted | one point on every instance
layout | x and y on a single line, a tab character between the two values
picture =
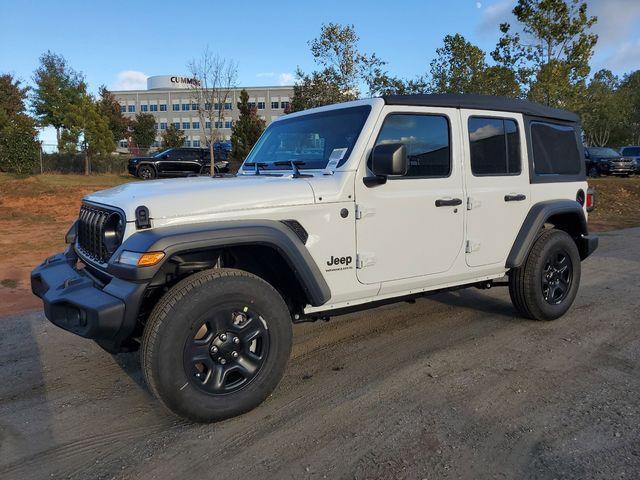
555	149
632	151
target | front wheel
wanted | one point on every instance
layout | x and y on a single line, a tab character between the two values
547	284
216	345
146	172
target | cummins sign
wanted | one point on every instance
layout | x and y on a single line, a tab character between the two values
165	82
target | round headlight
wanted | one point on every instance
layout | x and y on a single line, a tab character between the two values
113	232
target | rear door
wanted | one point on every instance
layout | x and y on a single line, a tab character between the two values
497	183
413	225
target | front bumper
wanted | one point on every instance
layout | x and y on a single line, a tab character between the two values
80	303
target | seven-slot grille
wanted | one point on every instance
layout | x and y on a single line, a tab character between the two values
90	232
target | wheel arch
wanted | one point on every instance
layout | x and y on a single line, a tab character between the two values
262	247
566	215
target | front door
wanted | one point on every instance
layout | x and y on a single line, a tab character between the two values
497	182
413	225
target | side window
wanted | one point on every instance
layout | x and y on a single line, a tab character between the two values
555	149
494	144
426	138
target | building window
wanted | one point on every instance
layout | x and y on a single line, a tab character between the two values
227	124
186	125
123	144
207	125
252	105
123	108
207	106
284	105
261	105
196	143
163	107
163	125
187	143
216	106
426	138
218	124
144	108
176	107
275	105
228	106
155	125
131	108
195	125
153	107
185	107
176	124
195	106
494	144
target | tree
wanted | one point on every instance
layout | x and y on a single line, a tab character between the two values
172	137
629	94
109	108
214	78
342	69
551	56
603	114
247	129
57	87
86	131
19	147
143	131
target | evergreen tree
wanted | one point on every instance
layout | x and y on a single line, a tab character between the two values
109	108
143	131
247	129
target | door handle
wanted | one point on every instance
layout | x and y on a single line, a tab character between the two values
448	202
512	197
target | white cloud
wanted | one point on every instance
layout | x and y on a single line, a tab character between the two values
495	14
130	80
483	132
478	4
286	78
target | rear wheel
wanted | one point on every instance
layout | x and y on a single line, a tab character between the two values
546	285
217	344
593	172
146	172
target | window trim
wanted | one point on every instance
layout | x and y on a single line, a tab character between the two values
497	117
423	114
553	177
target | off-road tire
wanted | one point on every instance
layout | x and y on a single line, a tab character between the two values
146	172
525	282
172	323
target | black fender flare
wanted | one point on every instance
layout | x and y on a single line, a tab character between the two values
149	163
535	220
192	237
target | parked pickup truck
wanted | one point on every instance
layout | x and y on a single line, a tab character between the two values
337	208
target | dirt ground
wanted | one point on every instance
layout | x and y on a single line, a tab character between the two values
453	386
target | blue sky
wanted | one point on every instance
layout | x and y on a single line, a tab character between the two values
119	43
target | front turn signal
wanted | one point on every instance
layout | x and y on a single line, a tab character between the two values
146	259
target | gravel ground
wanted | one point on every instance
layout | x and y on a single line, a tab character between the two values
453	386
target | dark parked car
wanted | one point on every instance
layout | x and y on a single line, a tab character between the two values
178	162
632	152
607	161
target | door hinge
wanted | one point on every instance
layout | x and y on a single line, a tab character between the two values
365	260
472	246
472	203
362	212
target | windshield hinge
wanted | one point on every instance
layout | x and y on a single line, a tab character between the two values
365	259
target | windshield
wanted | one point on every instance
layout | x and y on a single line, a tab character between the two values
159	154
313	139
603	152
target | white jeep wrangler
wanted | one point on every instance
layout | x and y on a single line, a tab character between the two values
337	208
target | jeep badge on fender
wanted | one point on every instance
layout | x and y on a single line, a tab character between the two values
208	289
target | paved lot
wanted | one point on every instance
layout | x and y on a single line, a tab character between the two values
453	386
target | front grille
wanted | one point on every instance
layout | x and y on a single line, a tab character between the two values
91	223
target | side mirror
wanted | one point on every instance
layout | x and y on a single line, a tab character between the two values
387	160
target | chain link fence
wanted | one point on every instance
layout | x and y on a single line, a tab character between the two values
51	161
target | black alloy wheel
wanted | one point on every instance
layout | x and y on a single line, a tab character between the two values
146	172
557	275
227	351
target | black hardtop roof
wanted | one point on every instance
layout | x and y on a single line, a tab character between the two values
481	102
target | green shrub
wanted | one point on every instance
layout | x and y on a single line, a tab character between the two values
19	150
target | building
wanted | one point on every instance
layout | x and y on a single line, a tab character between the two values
169	98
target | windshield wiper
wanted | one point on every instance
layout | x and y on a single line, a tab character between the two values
258	166
294	166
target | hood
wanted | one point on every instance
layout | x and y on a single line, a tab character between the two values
181	197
